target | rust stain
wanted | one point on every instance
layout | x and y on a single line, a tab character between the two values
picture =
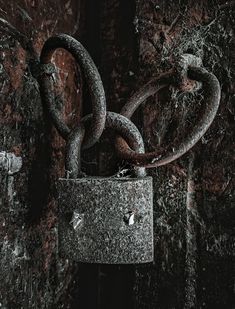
16	70
17	150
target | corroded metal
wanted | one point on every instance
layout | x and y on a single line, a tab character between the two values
212	95
181	71
106	220
93	80
117	122
110	220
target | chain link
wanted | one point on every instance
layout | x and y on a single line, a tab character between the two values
129	143
93	79
114	121
212	95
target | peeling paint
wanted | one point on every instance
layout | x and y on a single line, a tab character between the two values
9	163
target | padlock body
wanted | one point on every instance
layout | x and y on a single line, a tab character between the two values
105	220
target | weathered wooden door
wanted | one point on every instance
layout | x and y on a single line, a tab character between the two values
194	218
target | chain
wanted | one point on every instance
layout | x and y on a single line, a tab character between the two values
114	121
129	142
93	80
212	95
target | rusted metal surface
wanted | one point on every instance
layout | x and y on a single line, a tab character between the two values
114	121
211	100
93	80
186	67
102	233
131	42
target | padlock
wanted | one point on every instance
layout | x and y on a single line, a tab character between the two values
105	219
110	220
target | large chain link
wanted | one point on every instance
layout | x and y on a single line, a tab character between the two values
93	79
212	95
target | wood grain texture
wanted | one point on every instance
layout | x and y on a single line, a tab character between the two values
130	42
31	275
192	261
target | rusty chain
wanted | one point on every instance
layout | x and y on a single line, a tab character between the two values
114	121
129	143
212	94
93	80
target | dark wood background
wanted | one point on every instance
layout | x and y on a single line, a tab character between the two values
130	42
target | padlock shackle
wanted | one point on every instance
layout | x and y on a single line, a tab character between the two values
119	124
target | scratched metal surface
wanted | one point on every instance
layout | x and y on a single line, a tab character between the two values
115	220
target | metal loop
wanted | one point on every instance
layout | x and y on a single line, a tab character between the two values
212	98
117	122
48	68
93	80
181	71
